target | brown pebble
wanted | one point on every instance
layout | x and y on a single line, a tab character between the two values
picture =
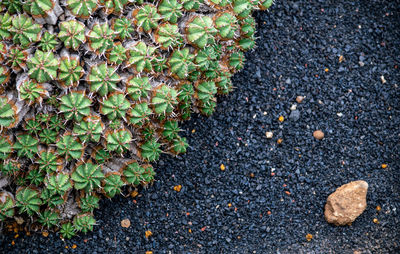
299	99
126	223
318	134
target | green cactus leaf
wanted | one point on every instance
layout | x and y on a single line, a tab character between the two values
75	105
58	183
48	136
84	222
171	130
236	60
185	110
221	3
132	173
6	147
26	145
186	92
167	35
180	145
103	79
206	91
141	57
90	129
12	6
248	26
101	38
265	4
164	100
150	151
242	8
117	54
208	108
146	17
113	6
181	63
206	58
171	10
87	176
123	28
82	8
118	140
227	25
5	26
201	31
28	200
10	167
115	106
31	92
49	162
101	155
50	198
88	203
191	5
43	66
48	42
49	218
70	71
148	175
67	230
7	204
138	88
247	43
17	59
140	114
7	113
224	84
72	33
70	147
35	177
25	31
38	8
112	184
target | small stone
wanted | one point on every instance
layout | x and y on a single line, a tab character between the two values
294	115
299	98
347	203
269	134
293	107
361	63
126	223
318	134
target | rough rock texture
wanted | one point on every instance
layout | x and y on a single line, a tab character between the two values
346	203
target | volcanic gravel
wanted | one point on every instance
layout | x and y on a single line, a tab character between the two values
270	195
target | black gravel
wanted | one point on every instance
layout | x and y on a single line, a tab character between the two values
358	113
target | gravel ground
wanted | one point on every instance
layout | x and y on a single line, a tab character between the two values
270	196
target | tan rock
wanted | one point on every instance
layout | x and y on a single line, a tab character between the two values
318	134
347	203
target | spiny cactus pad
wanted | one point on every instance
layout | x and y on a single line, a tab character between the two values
92	91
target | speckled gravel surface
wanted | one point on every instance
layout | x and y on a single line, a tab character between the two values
270	195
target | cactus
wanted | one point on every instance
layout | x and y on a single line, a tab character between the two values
28	200
70	147
7	204
112	184
171	10
88	203
140	57
26	145
75	105
201	31
67	230
58	183
91	91
8	113
32	92
48	42
72	33
103	79
84	222
146	17
118	140
101	38
70	71
43	66
87	176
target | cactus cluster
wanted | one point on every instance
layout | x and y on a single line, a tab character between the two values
92	91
